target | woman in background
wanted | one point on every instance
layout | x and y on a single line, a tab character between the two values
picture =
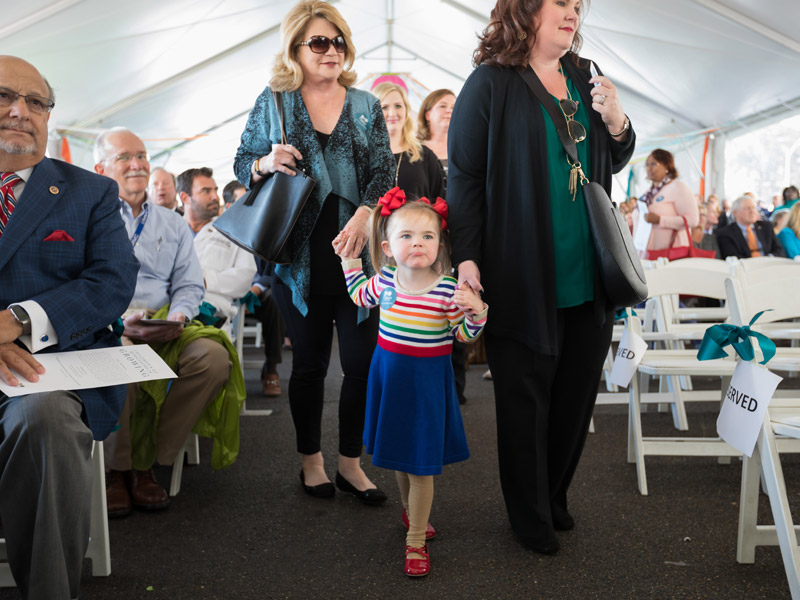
669	202
789	236
417	170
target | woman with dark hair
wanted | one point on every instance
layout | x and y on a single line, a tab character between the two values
433	122
337	134
518	230
669	203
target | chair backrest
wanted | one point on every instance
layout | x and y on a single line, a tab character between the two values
691	281
762	262
776	288
705	264
666	282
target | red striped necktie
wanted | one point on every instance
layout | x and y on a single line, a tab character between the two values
7	200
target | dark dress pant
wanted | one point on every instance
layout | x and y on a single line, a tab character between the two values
272	331
45	491
312	336
544	406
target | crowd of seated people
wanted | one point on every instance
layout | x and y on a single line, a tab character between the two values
748	227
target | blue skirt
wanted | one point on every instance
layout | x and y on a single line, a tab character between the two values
413	420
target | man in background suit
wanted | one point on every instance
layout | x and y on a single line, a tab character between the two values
748	235
66	272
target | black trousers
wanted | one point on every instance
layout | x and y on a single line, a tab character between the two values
312	337
544	405
272	331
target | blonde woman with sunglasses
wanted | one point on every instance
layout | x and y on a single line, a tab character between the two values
337	135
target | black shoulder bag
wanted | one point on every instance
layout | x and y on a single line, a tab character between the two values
617	259
262	220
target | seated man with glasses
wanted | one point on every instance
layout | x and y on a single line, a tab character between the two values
66	273
169	279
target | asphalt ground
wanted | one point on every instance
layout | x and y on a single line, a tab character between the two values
250	532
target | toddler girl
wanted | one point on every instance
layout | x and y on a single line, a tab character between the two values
413	421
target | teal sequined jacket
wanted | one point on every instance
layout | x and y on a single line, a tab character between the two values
357	165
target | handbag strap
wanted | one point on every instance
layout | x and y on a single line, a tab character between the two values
559	120
279	104
688	234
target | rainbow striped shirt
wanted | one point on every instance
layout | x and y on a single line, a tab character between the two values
416	324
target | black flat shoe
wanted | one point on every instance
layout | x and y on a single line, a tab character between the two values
323	490
547	547
562	520
372	496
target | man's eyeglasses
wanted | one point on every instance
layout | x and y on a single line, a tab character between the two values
127	157
319	44
576	131
36	104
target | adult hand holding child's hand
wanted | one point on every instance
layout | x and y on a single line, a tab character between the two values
468	300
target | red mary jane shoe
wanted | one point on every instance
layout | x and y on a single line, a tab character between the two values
430	532
418	567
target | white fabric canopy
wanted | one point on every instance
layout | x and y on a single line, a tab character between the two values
184	74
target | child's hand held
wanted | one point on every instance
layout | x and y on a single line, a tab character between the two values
468	300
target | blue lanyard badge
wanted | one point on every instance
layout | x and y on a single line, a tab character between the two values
140	227
388	298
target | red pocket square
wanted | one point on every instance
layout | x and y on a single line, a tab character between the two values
59	235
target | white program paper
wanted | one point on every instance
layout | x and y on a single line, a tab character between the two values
642	229
101	367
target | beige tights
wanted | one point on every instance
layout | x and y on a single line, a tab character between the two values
416	493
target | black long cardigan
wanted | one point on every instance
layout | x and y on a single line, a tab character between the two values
499	199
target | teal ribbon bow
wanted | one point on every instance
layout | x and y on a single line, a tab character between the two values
118	327
622	314
206	314
719	336
250	301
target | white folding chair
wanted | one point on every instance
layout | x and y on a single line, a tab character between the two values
239	333
190	450
671	364
99	549
779	290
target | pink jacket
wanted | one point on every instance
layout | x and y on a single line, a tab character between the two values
674	200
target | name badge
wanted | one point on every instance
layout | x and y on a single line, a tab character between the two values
659	199
388	298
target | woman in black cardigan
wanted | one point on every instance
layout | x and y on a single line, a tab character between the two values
518	230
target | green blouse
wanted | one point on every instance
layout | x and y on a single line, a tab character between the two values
573	248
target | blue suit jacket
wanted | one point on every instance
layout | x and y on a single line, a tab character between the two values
83	285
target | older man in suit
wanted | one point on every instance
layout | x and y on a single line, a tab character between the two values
66	272
748	235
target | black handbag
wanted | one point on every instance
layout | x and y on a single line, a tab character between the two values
262	220
620	268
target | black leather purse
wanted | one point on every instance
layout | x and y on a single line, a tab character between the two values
262	220
621	270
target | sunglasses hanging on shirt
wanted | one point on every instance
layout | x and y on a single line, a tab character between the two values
569	107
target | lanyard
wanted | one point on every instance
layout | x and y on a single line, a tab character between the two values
140	227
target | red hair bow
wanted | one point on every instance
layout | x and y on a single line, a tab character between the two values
440	206
391	200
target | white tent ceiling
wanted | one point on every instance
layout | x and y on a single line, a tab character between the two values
183	74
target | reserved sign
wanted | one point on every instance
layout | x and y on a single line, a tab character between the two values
746	401
629	354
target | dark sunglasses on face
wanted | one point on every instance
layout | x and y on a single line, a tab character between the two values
319	44
576	131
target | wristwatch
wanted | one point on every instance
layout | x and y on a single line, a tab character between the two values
21	317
